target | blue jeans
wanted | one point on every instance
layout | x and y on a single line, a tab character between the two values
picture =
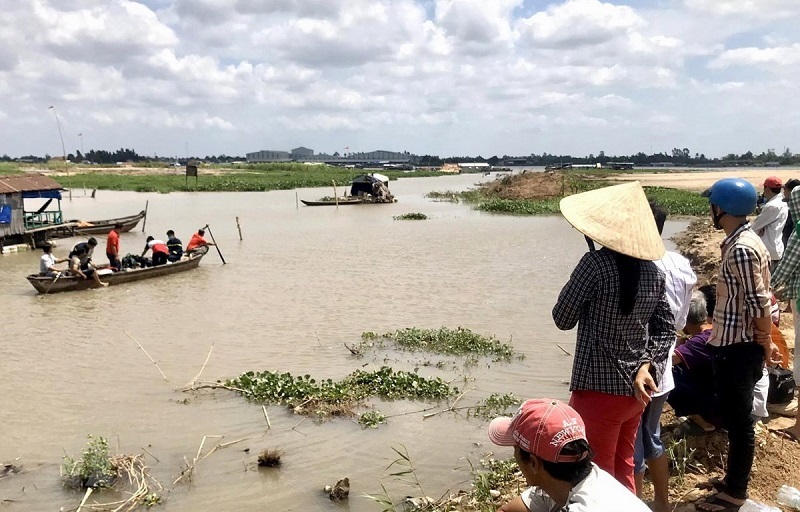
648	439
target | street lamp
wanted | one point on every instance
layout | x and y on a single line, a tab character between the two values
63	150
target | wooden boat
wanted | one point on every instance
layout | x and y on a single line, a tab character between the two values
102	227
67	283
344	201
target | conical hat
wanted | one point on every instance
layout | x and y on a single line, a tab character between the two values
617	217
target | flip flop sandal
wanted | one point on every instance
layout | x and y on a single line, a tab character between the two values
715	484
786	433
691	429
716	504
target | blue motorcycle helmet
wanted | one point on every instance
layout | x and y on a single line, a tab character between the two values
733	196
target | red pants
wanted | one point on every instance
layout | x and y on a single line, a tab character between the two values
611	425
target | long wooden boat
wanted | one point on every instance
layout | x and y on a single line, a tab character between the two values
102	227
67	283
343	202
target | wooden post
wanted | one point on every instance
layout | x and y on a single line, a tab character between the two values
335	195
144	220
296	200
239	227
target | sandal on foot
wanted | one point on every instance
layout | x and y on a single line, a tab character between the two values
715	484
714	503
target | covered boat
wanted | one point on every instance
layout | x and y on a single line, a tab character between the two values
67	283
370	188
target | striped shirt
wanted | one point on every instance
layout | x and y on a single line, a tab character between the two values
611	347
787	273
742	288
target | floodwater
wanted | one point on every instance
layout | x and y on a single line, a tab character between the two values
303	282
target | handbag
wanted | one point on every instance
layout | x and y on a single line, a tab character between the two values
781	386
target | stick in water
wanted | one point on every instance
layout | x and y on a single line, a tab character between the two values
266	417
215	243
148	355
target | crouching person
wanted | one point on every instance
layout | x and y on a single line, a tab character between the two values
550	447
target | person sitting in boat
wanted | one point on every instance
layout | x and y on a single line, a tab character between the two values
86	249
112	247
197	240
48	262
160	251
175	247
76	258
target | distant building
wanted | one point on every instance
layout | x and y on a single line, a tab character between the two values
303	154
269	156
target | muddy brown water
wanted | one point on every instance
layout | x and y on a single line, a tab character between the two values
303	282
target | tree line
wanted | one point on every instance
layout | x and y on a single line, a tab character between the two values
675	157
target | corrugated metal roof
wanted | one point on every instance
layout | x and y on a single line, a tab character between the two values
27	183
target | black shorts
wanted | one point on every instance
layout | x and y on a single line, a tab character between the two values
159	258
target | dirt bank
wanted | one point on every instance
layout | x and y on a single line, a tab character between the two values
701	180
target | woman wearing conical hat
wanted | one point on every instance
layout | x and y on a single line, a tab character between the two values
616	297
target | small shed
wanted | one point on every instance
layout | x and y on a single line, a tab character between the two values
15	219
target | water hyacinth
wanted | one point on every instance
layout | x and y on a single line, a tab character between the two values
459	342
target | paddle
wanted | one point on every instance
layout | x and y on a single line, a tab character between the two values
215	244
54	282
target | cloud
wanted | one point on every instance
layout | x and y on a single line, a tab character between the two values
769	9
778	56
577	23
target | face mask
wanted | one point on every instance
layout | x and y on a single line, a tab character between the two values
716	217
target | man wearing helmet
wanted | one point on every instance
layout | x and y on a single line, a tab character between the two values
740	332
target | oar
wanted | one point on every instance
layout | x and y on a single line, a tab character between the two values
215	244
54	282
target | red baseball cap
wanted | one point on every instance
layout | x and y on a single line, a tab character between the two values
773	182
542	427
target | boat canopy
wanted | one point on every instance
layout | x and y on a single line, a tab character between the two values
370	178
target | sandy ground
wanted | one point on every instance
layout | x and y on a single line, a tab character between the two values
701	180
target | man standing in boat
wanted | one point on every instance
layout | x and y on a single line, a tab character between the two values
112	247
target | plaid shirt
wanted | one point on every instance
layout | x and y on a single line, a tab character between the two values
742	288
787	273
611	347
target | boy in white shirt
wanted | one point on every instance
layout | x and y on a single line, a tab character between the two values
550	447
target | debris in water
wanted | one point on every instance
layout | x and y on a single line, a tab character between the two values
269	458
340	491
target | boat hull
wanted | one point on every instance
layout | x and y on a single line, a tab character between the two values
49	285
100	227
343	202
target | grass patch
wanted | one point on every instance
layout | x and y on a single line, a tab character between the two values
331	398
459	342
411	216
678	202
520	206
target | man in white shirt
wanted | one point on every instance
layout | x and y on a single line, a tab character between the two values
550	447
48	262
680	280
769	223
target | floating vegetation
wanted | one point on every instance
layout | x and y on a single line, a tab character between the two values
459	342
411	216
126	474
329	398
93	469
497	404
371	419
450	196
269	458
521	206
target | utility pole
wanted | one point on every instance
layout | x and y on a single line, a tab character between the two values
63	150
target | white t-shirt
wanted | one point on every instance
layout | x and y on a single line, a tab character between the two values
598	492
47	261
679	283
769	225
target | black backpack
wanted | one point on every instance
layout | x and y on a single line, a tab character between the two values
781	386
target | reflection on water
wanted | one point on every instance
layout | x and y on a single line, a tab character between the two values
301	284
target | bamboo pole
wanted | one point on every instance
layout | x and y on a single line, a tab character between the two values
148	355
266	417
144	220
239	227
296	200
335	194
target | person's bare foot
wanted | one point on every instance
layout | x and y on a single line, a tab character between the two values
103	284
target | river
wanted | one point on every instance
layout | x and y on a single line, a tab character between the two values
300	284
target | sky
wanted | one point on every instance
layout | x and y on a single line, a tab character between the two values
443	77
